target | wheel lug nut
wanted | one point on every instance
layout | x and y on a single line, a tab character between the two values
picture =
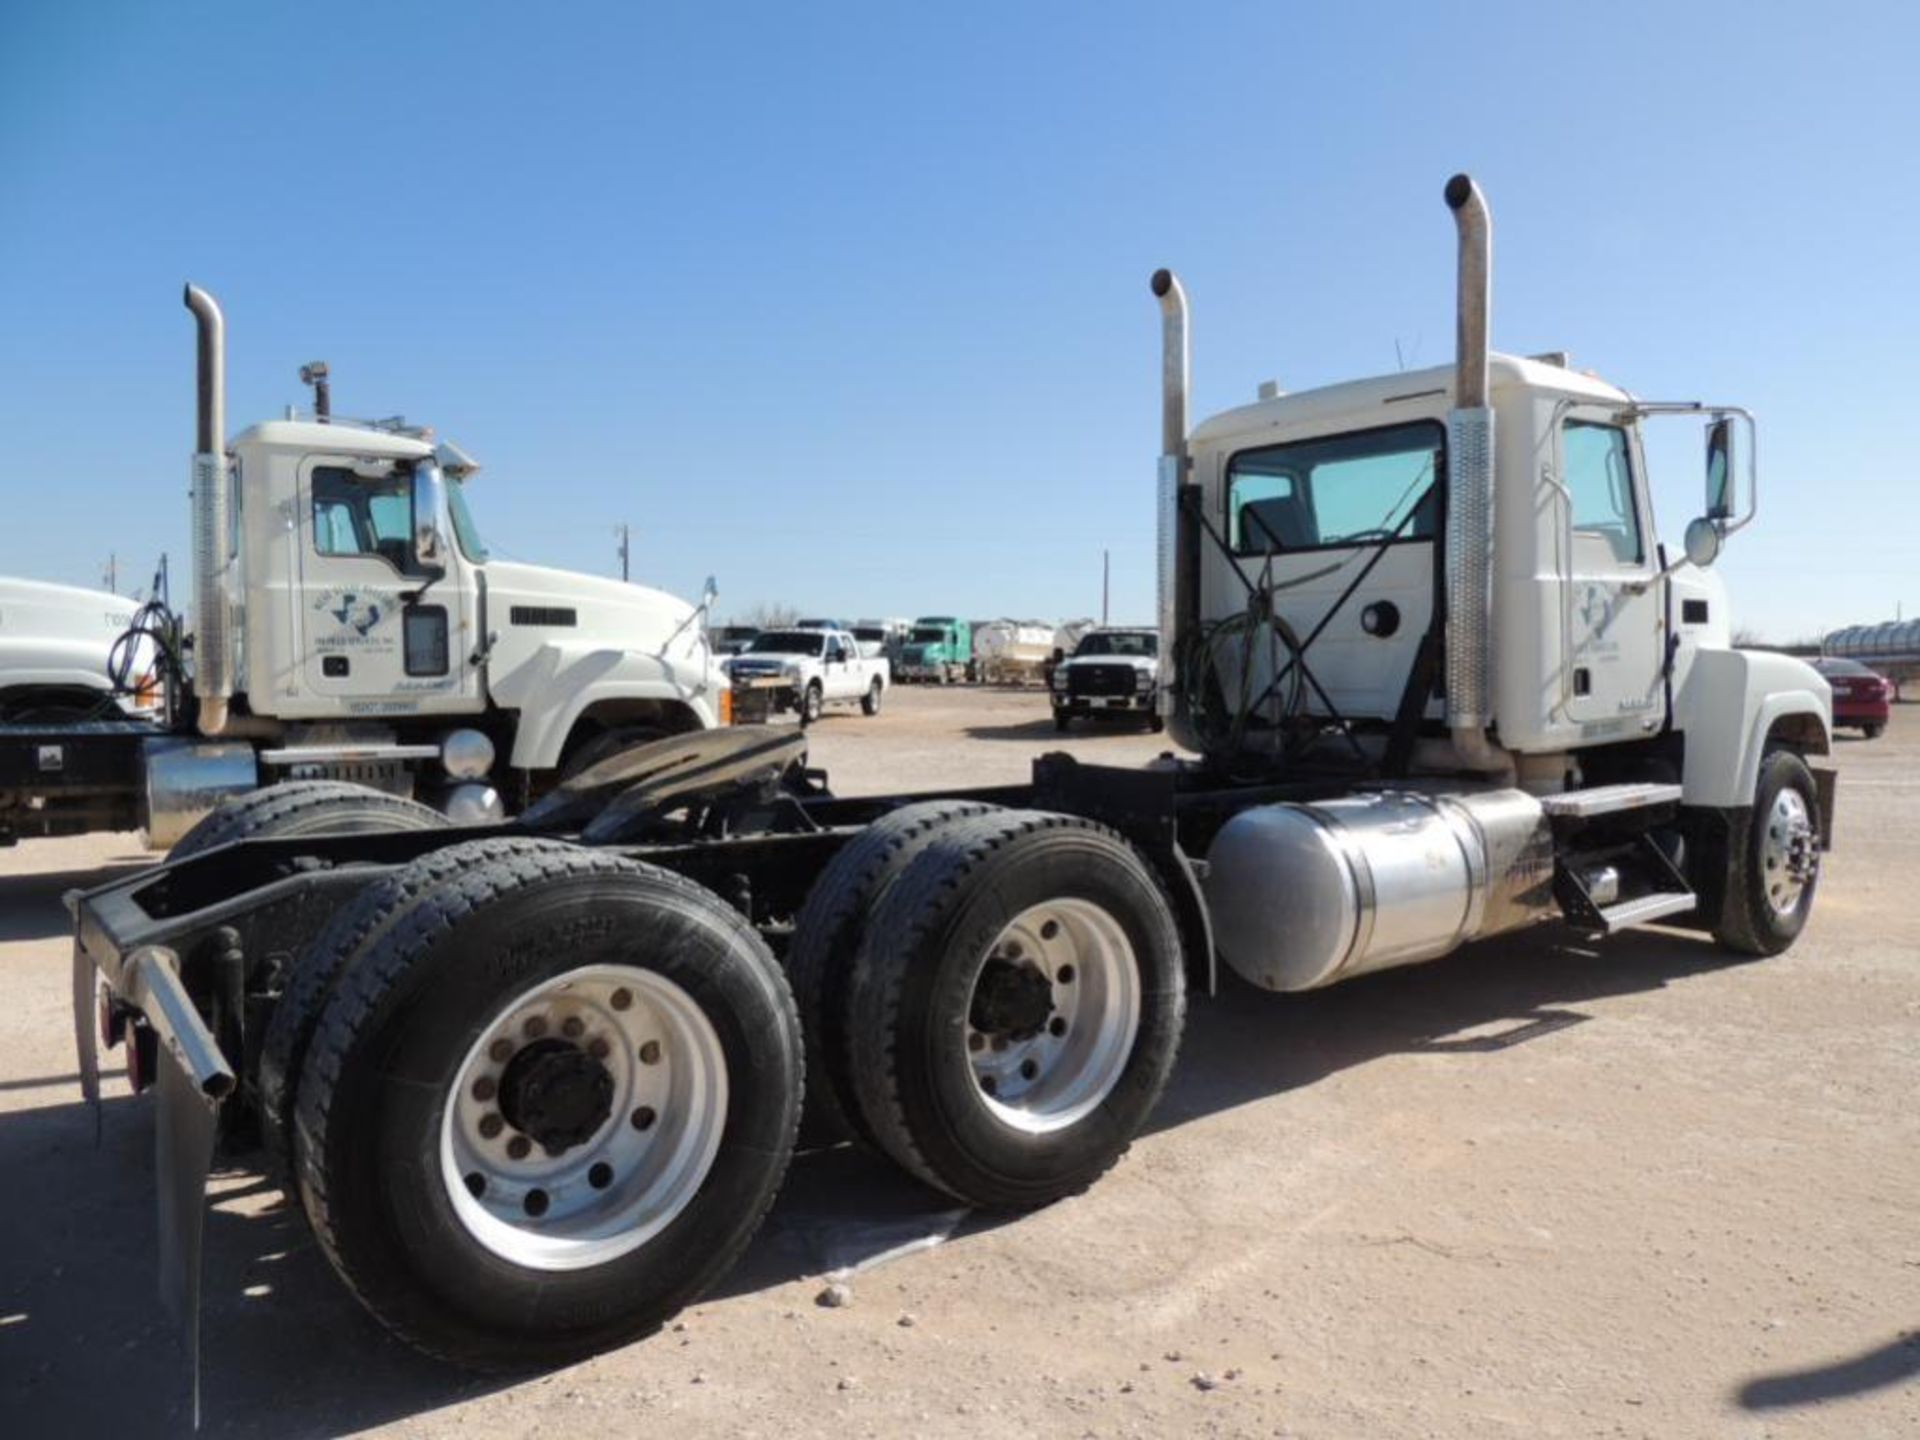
1050	929
597	1048
535	1204
1066	974
535	1027
643	1118
1028	1069
600	1176
976	1041
989	1084
1057	1026
519	1147
621	998
650	1053
1014	952
573	1027
476	1184
484	1088
999	1042
500	1051
490	1126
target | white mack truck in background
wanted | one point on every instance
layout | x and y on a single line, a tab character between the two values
1442	682
348	624
59	648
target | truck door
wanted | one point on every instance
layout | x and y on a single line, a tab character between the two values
382	633
1611	609
837	663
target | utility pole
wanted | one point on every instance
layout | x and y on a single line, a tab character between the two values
1106	582
624	549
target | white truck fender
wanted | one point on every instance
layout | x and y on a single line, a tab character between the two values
1728	704
554	689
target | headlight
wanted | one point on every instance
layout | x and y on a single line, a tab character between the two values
1144	680
1060	678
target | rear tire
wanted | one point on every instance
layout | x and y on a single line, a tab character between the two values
870	702
1089	991
827	936
317	970
1770	883
392	1107
306	807
1062	720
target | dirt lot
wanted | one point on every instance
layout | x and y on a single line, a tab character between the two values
1537	1189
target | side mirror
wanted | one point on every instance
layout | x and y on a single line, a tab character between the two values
429	504
1703	542
1719	471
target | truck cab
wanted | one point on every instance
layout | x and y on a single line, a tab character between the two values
939	649
364	594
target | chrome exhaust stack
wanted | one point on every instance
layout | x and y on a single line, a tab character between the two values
1469	539
212	620
1178	557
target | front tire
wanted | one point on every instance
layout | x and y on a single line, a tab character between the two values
1770	882
1017	1004
812	703
1872	732
1062	720
496	1159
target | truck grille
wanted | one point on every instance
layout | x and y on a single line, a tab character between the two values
1100	680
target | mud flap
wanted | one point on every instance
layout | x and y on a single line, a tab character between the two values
183	1156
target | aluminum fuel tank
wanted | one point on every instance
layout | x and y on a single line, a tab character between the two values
1304	895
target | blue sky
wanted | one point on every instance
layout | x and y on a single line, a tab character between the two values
847	304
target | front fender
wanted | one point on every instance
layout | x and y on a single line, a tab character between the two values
1729	703
561	682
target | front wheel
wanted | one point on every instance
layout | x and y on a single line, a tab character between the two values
870	702
1770	882
1061	720
812	703
547	1107
1872	732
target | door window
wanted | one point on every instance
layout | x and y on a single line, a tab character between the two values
1335	491
354	515
1598	472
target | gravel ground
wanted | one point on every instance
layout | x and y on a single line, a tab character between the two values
1537	1189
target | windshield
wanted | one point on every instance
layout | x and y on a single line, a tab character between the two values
1133	644
928	635
869	632
788	642
464	530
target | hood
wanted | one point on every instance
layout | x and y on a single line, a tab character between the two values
1132	662
531	606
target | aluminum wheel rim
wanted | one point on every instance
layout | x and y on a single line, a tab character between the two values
609	1194
1787	856
1059	1074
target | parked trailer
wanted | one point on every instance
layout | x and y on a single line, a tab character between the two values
1012	652
534	1083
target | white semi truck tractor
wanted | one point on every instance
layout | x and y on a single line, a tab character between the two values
347	624
534	1083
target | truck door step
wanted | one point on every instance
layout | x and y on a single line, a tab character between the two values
1646	909
1608	800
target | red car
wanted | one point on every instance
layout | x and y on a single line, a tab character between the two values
1860	697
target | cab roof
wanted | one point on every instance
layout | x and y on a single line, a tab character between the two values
336	438
1385	394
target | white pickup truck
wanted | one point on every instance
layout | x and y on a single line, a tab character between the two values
817	666
56	649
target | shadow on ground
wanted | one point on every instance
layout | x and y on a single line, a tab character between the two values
288	1352
30	905
1043	728
1893	1363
